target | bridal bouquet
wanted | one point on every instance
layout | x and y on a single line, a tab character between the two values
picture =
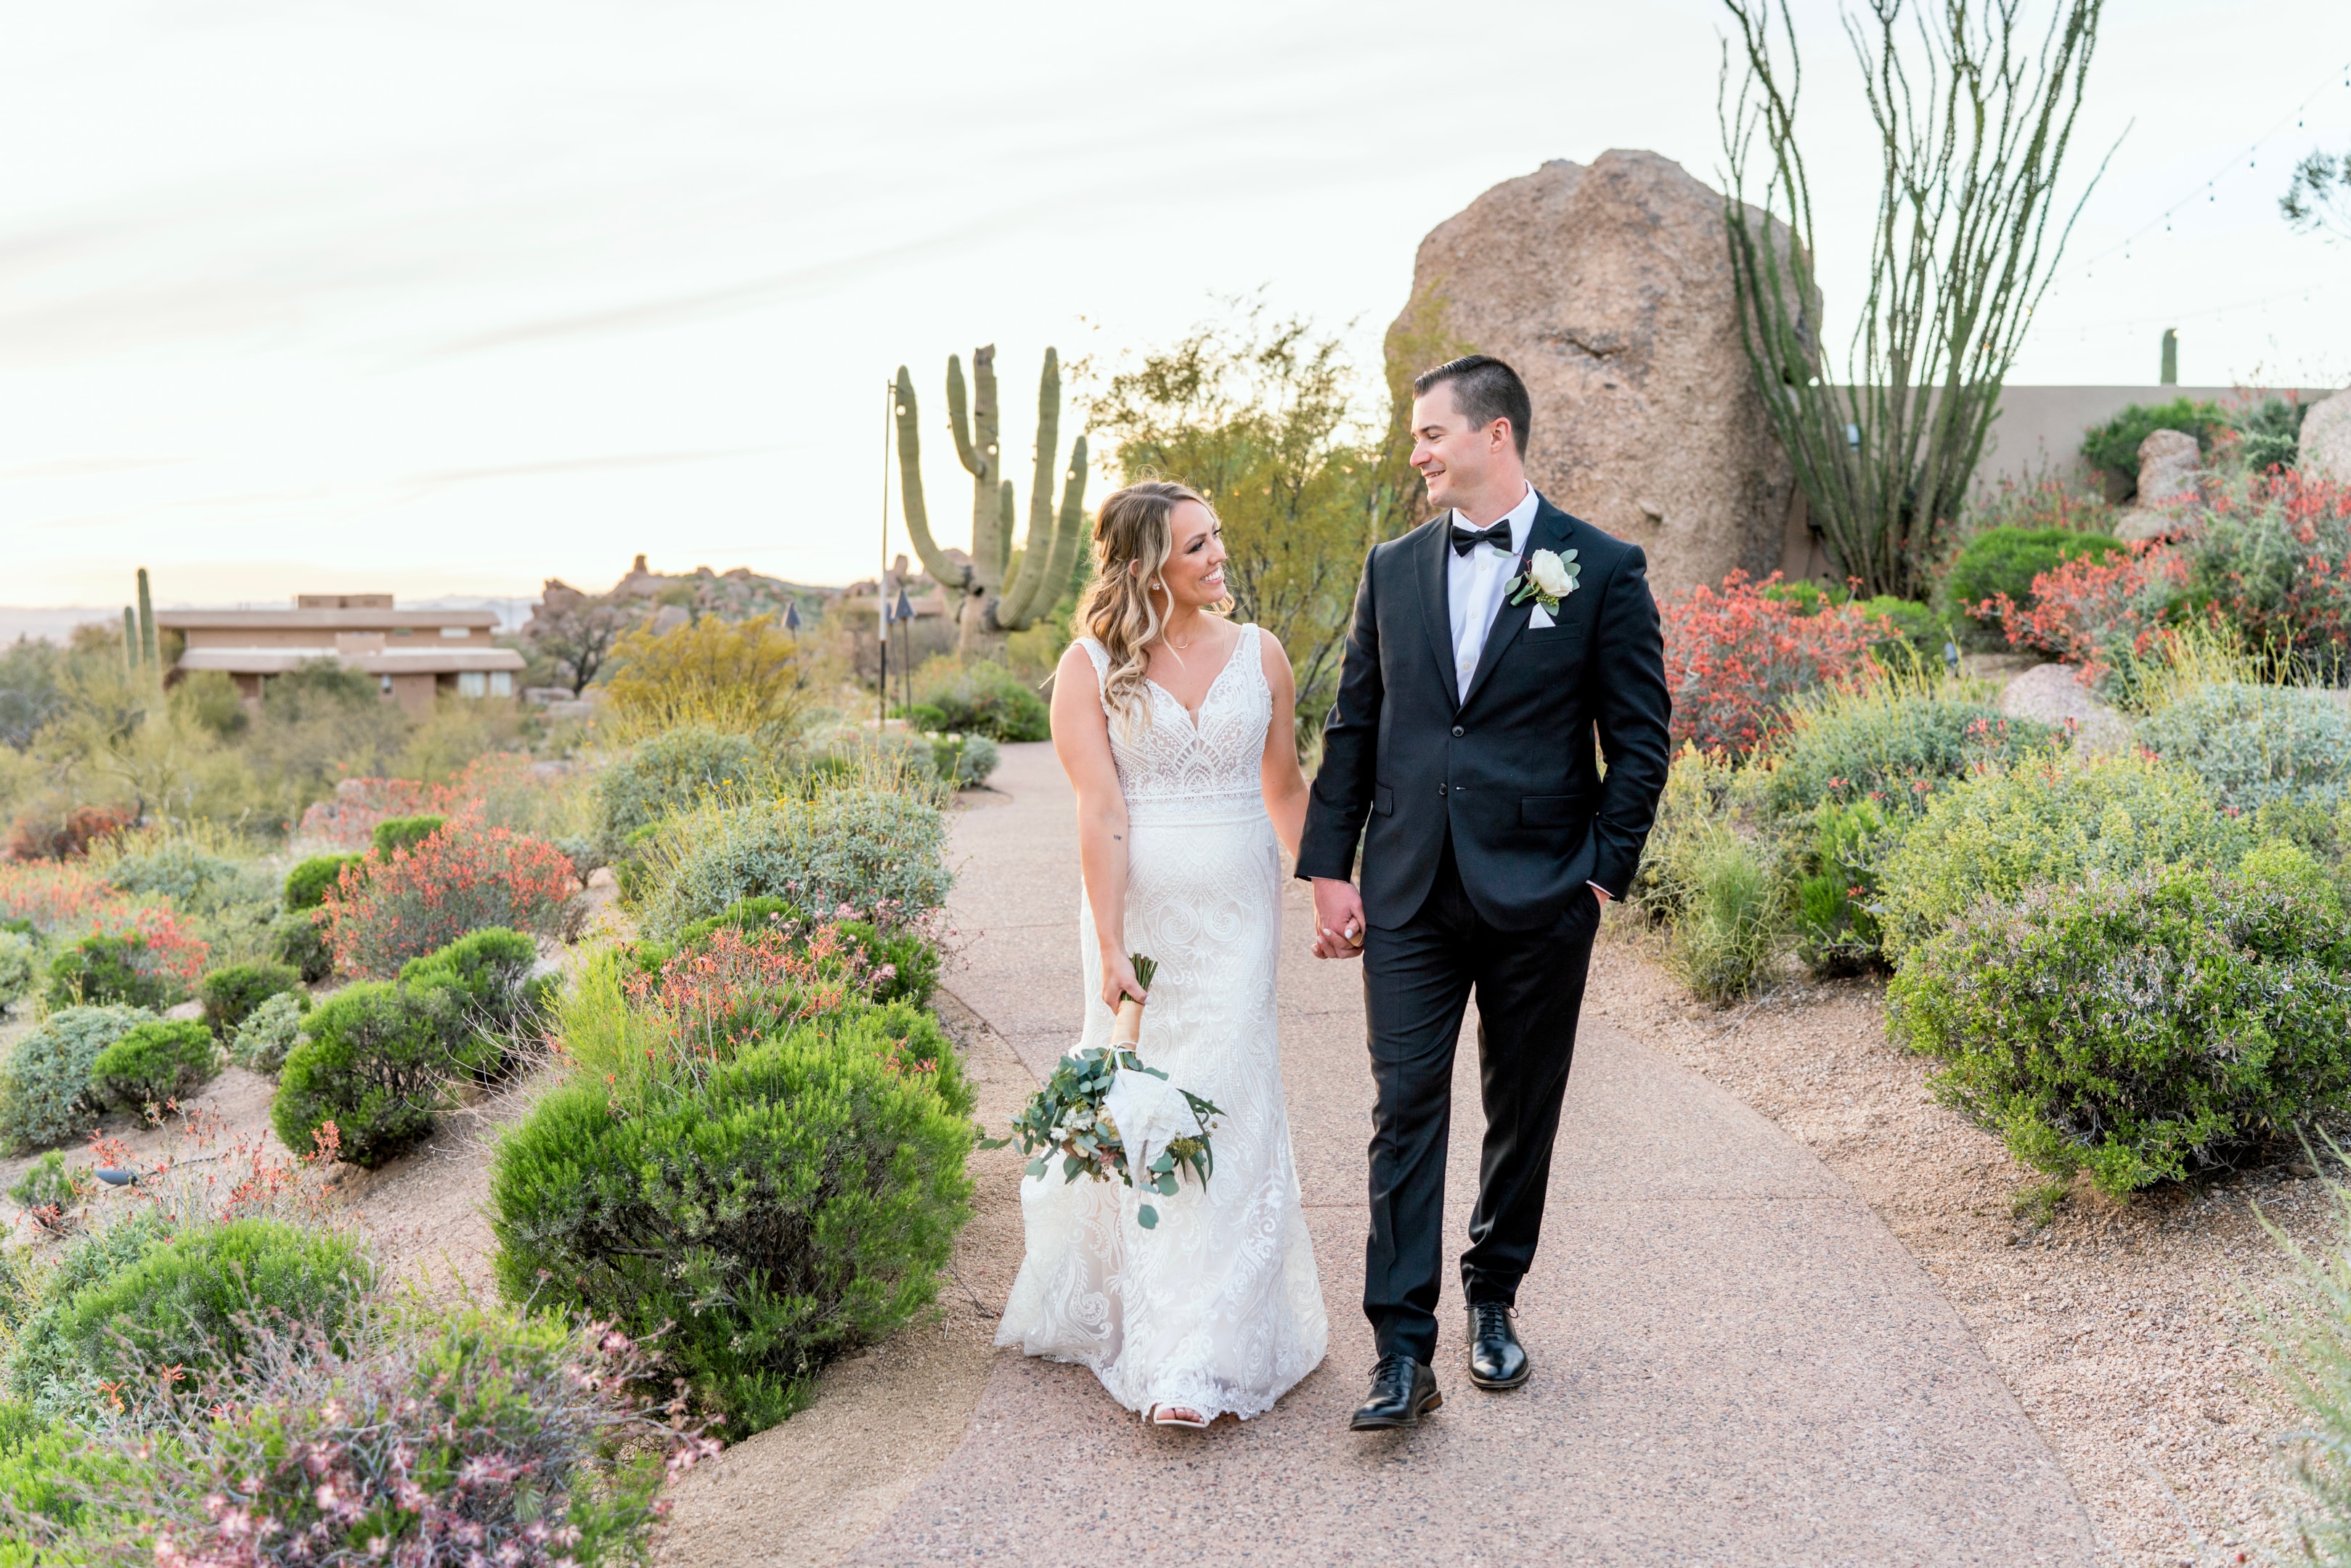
1107	1113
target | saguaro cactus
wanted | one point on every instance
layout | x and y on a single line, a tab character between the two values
130	641
991	605
147	656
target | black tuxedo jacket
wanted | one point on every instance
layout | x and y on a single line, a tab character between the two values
1509	771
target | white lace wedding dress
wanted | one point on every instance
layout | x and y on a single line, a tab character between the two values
1218	1308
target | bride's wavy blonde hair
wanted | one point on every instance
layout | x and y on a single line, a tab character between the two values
1124	608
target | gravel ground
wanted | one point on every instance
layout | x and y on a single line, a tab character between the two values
2124	1328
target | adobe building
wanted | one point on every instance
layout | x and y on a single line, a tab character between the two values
415	655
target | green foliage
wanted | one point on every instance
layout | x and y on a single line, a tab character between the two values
2006	560
675	771
1916	625
2307	1334
48	1184
102	969
1836	922
230	995
374	1059
2140	1027
788	1204
403	833
2253	745
49	1472
308	885
482	990
182	871
1994	835
1698	794
874	851
1732	924
980	698
300	944
154	1064
1882	741
192	1300
17	951
2112	446
268	1032
45	1093
2270	433
963	761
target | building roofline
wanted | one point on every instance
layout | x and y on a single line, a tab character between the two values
319	620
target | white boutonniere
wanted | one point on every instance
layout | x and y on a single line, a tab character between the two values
1549	578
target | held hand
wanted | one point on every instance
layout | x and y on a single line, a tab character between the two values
1338	919
1119	981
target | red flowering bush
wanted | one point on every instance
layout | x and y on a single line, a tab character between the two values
2273	559
1735	656
38	837
497	787
733	986
465	877
54	896
2106	615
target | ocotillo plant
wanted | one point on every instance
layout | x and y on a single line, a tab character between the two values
991	605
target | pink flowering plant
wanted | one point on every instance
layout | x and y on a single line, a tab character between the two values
405	1437
465	877
1735	656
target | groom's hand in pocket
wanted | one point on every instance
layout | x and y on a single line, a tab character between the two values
1338	919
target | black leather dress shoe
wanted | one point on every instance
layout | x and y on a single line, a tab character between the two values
1497	1359
1403	1391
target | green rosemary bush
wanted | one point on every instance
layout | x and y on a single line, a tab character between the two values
154	1064
375	1060
871	850
231	994
308	885
2140	1027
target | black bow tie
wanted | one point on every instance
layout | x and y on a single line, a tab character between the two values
1467	540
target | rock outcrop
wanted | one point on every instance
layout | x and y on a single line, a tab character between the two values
2169	482
1610	289
2054	693
2327	439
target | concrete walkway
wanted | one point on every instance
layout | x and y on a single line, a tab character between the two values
1736	1363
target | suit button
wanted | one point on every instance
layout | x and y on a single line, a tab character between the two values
1459	730
1440	789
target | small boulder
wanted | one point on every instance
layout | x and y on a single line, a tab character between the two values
2054	693
2170	463
2327	439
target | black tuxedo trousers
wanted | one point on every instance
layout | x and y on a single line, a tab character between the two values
1417	978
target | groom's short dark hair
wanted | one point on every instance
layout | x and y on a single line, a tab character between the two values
1486	390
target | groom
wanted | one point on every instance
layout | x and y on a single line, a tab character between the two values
1477	676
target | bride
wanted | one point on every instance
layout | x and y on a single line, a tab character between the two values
1175	728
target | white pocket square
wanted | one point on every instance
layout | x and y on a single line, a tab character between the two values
1539	619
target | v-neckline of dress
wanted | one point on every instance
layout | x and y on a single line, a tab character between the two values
1240	635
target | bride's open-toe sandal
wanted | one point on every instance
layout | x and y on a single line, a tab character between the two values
1176	1415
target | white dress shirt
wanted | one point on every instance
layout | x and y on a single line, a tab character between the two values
1474	585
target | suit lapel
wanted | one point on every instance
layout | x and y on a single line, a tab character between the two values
1435	602
1549	531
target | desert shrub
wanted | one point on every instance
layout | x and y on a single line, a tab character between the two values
1916	630
874	851
480	987
1893	741
68	836
298	938
2252	745
777	1209
1994	835
402	834
49	1470
675	771
963	761
2108	616
141	957
52	898
1699	791
181	872
742	676
2269	432
899	964
45	1095
190	1300
374	1059
17	964
154	1064
2046	502
463	878
230	995
981	699
2272	557
1731	931
1836	925
2005	562
473	1436
1734	657
48	1184
308	885
2139	1027
2112	447
268	1032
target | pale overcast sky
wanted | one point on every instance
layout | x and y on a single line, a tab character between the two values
448	297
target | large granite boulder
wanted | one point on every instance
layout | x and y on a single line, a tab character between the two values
2327	439
2170	481
1610	289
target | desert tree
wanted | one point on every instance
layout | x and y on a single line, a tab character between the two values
1974	106
2318	198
